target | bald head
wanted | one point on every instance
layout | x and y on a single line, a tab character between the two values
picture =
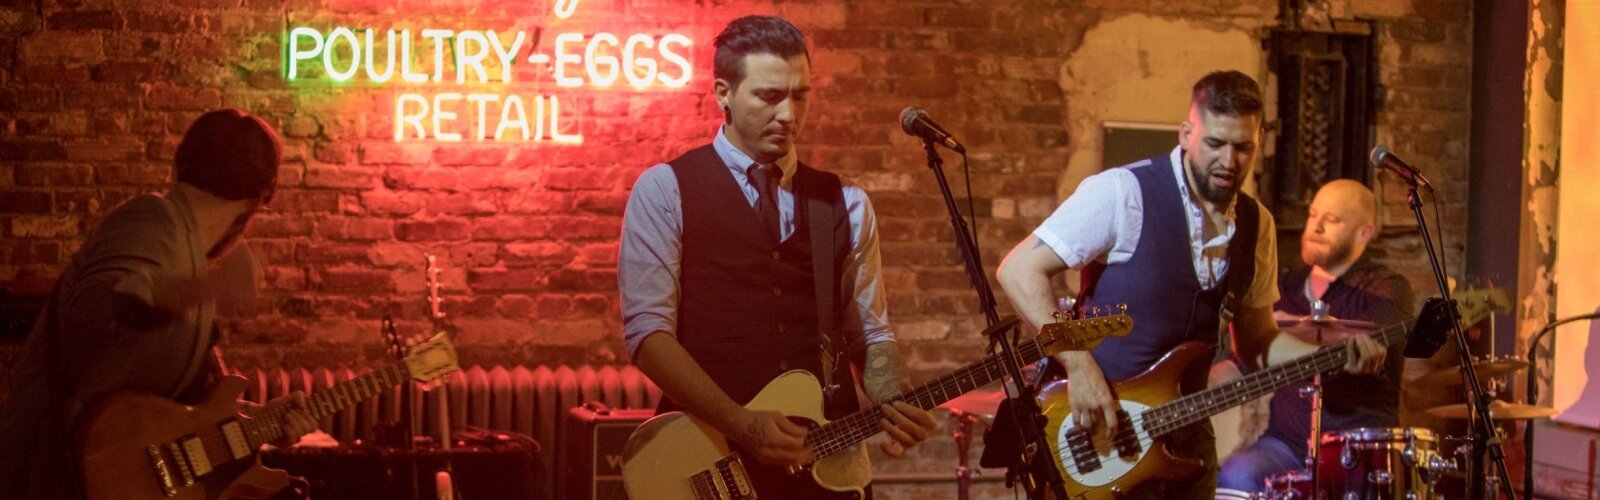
1340	222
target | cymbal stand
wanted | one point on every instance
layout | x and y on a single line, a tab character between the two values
1319	313
961	430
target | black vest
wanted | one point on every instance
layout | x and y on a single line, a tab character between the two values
1158	282
749	308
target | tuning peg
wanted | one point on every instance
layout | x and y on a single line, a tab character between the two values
1122	309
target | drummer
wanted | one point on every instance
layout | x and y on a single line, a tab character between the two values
1340	223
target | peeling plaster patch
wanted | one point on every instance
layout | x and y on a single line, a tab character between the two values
1140	68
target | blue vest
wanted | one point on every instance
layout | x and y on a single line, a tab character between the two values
749	307
1158	283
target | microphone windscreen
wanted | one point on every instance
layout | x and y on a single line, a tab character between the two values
908	117
1378	152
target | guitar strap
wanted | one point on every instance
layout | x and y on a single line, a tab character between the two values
1241	265
823	210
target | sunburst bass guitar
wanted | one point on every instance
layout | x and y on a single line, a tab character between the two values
677	456
1151	408
135	446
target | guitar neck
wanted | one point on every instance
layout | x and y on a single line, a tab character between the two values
846	432
267	426
1181	412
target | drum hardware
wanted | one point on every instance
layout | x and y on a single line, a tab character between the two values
1488	367
965	410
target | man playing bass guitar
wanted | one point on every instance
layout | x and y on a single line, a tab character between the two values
1173	239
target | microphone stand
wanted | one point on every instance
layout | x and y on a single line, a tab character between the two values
1037	475
1533	398
1484	437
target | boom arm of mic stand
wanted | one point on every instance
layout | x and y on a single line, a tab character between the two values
1036	476
1533	397
1484	436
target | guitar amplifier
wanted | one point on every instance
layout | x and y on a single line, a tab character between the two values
591	466
506	470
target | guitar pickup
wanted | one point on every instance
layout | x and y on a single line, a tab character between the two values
734	478
185	473
1127	445
1082	448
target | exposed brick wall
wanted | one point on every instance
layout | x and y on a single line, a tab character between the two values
94	98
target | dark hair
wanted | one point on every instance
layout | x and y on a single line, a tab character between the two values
231	154
755	35
1227	93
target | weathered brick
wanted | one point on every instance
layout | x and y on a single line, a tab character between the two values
420	178
32	151
84	20
44	226
540	202
432	230
52	175
62	46
355	229
540	254
25	202
136	174
515	305
337	177
353	279
319	254
492	280
168	97
128	71
53	73
24	252
30	99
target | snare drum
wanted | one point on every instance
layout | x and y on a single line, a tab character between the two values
1377	463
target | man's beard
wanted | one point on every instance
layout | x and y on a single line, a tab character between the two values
1217	194
1338	252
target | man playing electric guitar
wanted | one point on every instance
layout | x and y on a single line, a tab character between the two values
1171	237
133	310
739	263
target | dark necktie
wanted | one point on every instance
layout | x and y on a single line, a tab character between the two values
766	198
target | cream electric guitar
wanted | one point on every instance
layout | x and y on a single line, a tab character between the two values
1096	468
134	445
678	456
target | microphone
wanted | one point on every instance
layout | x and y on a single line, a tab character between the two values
916	123
1382	158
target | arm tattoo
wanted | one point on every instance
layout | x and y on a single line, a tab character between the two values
881	375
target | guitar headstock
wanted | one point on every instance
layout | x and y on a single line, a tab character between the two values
432	359
1476	304
1434	324
1084	333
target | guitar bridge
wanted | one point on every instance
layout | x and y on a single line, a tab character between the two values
162	470
727	480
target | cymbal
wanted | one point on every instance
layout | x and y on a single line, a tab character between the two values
1450	376
1501	410
980	402
1333	331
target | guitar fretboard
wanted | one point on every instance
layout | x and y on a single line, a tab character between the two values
267	426
1189	409
846	432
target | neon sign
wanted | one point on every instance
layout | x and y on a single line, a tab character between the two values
466	66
